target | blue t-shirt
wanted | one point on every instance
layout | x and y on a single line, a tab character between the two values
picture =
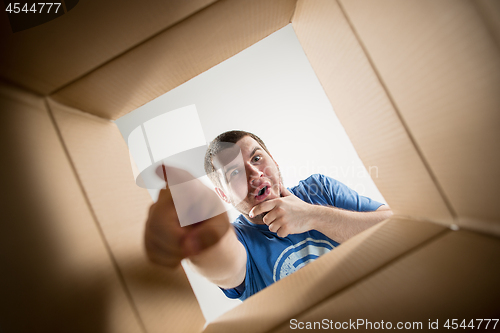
270	257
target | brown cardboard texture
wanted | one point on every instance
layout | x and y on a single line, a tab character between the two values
460	64
415	84
446	268
366	111
337	271
121	209
175	55
85	39
60	272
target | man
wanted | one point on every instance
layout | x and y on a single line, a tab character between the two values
278	231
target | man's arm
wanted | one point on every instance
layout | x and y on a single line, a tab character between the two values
290	215
346	223
224	264
210	246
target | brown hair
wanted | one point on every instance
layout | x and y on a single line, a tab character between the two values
216	146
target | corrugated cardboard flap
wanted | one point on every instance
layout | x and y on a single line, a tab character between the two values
58	274
366	111
328	275
163	297
175	56
48	56
440	63
453	277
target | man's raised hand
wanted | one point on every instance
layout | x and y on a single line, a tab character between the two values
286	215
166	242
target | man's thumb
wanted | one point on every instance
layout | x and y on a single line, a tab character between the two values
203	236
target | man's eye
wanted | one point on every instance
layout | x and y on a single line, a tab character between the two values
257	158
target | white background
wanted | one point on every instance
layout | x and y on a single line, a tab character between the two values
270	90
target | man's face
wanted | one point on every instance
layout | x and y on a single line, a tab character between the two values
251	178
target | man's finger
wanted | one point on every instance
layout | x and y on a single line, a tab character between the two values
274	227
164	196
262	207
278	227
270	217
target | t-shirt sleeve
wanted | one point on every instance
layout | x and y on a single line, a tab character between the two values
234	292
323	190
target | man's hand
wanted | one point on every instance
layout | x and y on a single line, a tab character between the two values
286	215
166	242
290	215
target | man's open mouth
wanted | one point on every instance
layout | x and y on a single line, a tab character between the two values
263	193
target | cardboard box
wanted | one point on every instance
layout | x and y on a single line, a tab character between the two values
415	84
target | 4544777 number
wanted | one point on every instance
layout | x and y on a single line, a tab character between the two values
19	7
472	324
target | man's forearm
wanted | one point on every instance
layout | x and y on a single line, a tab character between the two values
224	264
340	225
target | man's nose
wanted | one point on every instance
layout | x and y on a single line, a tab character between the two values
254	173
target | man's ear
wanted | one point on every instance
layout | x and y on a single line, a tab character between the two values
222	195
